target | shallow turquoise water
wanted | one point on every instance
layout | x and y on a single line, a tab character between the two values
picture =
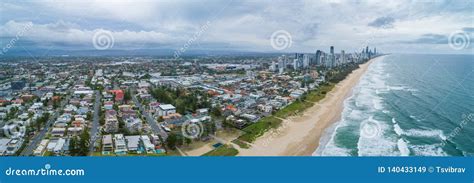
417	105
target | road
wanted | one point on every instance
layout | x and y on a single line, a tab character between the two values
38	137
94	132
153	124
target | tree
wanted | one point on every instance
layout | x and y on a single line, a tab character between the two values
46	102
216	111
180	106
30	115
171	141
55	104
102	119
89	116
127	96
84	143
73	150
187	141
42	120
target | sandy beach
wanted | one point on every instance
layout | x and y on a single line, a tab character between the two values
300	135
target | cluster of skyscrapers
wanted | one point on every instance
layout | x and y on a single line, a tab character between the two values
320	58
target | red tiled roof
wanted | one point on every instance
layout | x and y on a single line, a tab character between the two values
118	94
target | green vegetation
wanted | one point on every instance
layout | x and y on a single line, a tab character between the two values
320	93
241	144
225	150
216	111
73	146
89	116
173	141
340	73
80	147
48	153
293	108
127	96
184	100
306	101
41	121
12	113
176	139
259	128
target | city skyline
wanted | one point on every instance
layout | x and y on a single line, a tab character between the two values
230	26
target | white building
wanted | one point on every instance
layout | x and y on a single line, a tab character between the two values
3	146
133	142
59	148
120	145
166	109
149	147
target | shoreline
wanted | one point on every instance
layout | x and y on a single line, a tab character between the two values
300	135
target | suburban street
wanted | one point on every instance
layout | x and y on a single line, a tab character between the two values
94	131
153	124
38	137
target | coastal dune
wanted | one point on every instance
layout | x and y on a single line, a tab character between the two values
300	135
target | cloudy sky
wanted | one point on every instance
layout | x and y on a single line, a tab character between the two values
391	26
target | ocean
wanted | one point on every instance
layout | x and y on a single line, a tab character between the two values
407	105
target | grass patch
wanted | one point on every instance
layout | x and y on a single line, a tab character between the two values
225	150
259	128
241	144
293	109
320	93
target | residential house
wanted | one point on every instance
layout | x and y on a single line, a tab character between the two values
3	146
39	151
149	147
133	142
111	122
133	124
120	144
107	144
13	146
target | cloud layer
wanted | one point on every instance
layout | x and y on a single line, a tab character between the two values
393	26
